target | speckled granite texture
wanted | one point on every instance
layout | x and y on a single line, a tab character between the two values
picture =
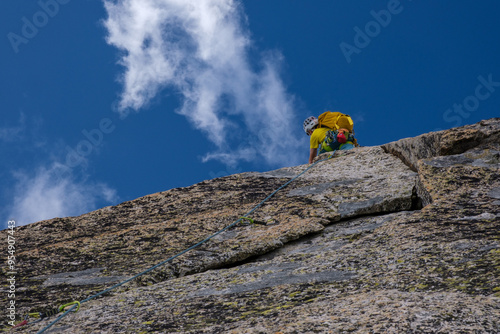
401	238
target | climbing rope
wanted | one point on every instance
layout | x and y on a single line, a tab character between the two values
77	304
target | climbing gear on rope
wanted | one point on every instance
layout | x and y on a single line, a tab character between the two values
49	313
57	310
250	220
77	303
245	217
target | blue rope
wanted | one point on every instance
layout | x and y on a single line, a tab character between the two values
187	249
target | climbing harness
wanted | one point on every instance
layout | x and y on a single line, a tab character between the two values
337	140
77	304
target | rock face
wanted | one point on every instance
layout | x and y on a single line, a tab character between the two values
402	238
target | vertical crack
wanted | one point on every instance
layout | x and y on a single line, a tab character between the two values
420	196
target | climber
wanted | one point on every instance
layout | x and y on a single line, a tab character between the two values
329	132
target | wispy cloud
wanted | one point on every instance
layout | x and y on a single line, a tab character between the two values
52	192
200	49
13	133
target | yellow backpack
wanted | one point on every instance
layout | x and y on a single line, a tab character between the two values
336	120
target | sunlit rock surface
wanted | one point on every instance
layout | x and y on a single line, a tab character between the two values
402	238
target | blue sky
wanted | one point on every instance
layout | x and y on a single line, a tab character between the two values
105	101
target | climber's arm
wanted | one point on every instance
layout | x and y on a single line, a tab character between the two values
312	154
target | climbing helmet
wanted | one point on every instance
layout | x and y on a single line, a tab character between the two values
310	123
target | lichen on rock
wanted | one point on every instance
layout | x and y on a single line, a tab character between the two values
406	239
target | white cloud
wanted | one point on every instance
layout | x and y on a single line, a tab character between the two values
200	48
52	192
